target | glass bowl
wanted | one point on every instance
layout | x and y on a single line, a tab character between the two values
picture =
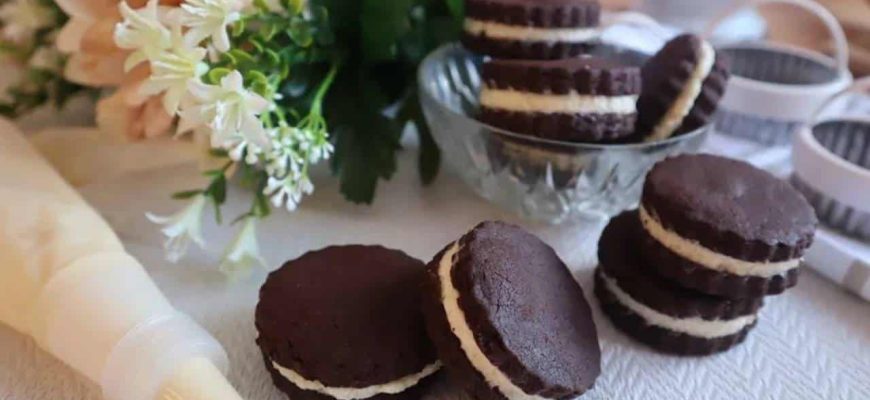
544	180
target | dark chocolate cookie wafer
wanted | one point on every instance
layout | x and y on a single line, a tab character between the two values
508	319
530	29
345	322
585	99
682	86
724	227
659	312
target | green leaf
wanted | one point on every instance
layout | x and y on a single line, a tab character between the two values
366	141
238	28
186	194
272	56
217	192
262	207
216	74
295	6
429	159
365	154
300	32
383	25
457	8
240	58
270	30
219	153
218	189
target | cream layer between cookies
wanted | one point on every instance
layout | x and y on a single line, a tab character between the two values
459	326
571	103
698	254
351	393
496	30
686	100
695	326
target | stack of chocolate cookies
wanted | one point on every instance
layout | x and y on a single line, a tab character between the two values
539	80
687	272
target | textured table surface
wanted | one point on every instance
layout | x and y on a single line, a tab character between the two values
811	343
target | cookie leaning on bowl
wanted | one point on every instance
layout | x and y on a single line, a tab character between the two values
530	29
724	227
658	312
682	86
508	319
345	323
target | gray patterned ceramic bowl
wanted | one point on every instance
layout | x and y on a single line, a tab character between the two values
773	90
832	170
540	179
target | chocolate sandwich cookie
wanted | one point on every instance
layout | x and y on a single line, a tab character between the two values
682	86
530	29
724	227
508	319
658	312
584	99
345	323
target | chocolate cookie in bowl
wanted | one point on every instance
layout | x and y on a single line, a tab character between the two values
587	99
583	99
530	29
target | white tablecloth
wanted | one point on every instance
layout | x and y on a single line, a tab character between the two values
811	343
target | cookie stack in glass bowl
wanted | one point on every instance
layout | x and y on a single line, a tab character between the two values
540	115
687	272
541	80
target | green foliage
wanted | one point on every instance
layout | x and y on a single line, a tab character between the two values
380	44
376	46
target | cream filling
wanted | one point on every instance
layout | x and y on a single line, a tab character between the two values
686	100
571	103
694	326
497	30
349	393
458	324
697	253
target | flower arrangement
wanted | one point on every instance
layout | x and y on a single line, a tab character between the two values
28	33
272	86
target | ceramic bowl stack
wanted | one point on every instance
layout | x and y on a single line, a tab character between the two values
774	87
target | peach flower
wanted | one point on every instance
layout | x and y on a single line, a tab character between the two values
95	60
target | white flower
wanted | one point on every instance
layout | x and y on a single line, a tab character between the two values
288	192
250	152
182	228
22	18
316	145
230	111
284	157
244	252
171	70
141	30
210	18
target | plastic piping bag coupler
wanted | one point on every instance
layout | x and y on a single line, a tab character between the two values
66	281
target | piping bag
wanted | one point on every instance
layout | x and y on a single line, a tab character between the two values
67	282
